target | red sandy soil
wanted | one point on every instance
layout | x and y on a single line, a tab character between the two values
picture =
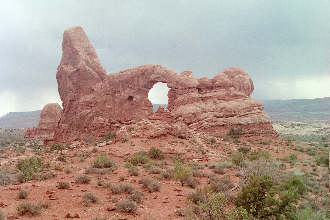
156	205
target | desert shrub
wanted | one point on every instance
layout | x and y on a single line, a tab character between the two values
192	182
109	136
133	171
30	168
262	167
29	208
237	158
219	170
322	159
255	197
182	172
222	184
126	206
310	214
103	161
244	150
197	173
104	183
2	216
61	158
58	167
67	170
6	176
89	198
94	150
19	149
139	158
97	218
212	140
126	188
22	194
150	184
99	171
198	196
214	206
57	147
154	170
122	188
155	153
64	185
264	199
167	174
235	133
288	142
136	196
292	158
44	205
257	155
83	179
48	175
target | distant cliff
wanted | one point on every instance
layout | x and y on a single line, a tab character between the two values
298	109
20	119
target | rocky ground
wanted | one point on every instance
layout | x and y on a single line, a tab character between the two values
71	183
9	135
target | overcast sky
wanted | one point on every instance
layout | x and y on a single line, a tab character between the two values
283	45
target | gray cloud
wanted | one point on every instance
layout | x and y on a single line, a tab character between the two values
284	45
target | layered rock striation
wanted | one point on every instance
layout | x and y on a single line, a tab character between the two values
95	103
49	118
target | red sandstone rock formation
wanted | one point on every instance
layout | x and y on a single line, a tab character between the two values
95	103
49	118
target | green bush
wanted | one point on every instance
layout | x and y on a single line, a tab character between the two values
182	172
262	198
103	161
30	168
155	153
256	197
235	133
214	206
139	158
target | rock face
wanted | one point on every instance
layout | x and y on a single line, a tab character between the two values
95	103
49	118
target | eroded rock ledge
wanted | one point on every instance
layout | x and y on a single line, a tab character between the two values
95	103
49	118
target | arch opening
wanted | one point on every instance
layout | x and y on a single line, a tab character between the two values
158	95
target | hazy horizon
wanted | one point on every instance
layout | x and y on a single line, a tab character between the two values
283	45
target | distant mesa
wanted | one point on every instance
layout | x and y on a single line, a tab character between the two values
95	103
